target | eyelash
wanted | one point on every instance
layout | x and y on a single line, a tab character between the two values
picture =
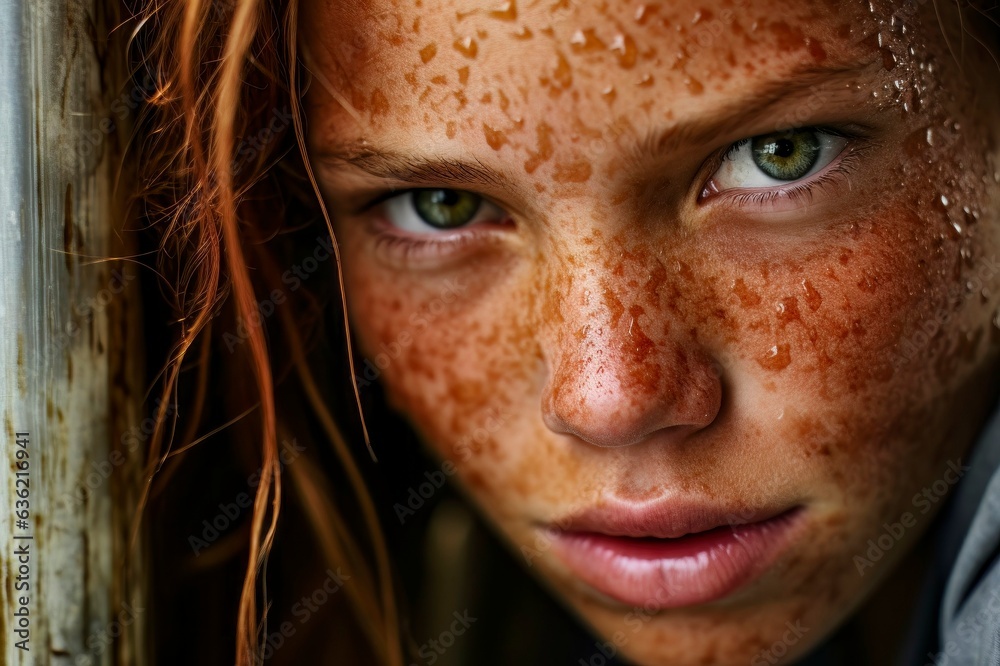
842	166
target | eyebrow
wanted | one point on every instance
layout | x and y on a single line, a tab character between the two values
721	121
392	165
388	164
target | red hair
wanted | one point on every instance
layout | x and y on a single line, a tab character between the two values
221	69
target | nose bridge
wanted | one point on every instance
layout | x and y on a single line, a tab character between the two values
618	371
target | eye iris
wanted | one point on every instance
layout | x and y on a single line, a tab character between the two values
446	209
786	155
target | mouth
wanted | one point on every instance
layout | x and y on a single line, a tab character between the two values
668	555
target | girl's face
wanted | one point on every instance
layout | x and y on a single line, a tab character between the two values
638	271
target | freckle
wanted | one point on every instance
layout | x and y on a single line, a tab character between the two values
788	310
411	78
496	138
748	297
505	12
578	171
787	37
646	81
776	358
562	76
463	75
466	46
609	94
504	102
440	79
813	298
816	50
544	148
523	33
539	188
416	25
845	257
450	129
428	52
379	104
694	85
624	46
486	98
857	328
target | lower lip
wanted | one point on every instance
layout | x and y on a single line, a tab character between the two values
672	573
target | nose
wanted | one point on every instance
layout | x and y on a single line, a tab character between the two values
618	375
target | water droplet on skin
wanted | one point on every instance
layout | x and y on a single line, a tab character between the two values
944	201
467	46
428	52
523	33
584	41
813	298
624	46
957	227
776	358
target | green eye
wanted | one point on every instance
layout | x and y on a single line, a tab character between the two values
446	209
786	155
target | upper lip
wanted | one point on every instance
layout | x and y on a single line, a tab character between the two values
661	519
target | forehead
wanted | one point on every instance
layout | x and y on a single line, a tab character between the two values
548	76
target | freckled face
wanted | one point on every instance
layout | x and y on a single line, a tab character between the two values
739	255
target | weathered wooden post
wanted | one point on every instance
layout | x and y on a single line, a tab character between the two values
68	333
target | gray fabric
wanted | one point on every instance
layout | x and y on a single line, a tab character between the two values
969	622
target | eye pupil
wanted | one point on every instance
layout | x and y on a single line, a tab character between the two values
786	155
446	208
784	148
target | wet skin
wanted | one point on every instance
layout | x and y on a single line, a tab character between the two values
623	320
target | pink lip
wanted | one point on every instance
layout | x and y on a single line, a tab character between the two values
669	555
